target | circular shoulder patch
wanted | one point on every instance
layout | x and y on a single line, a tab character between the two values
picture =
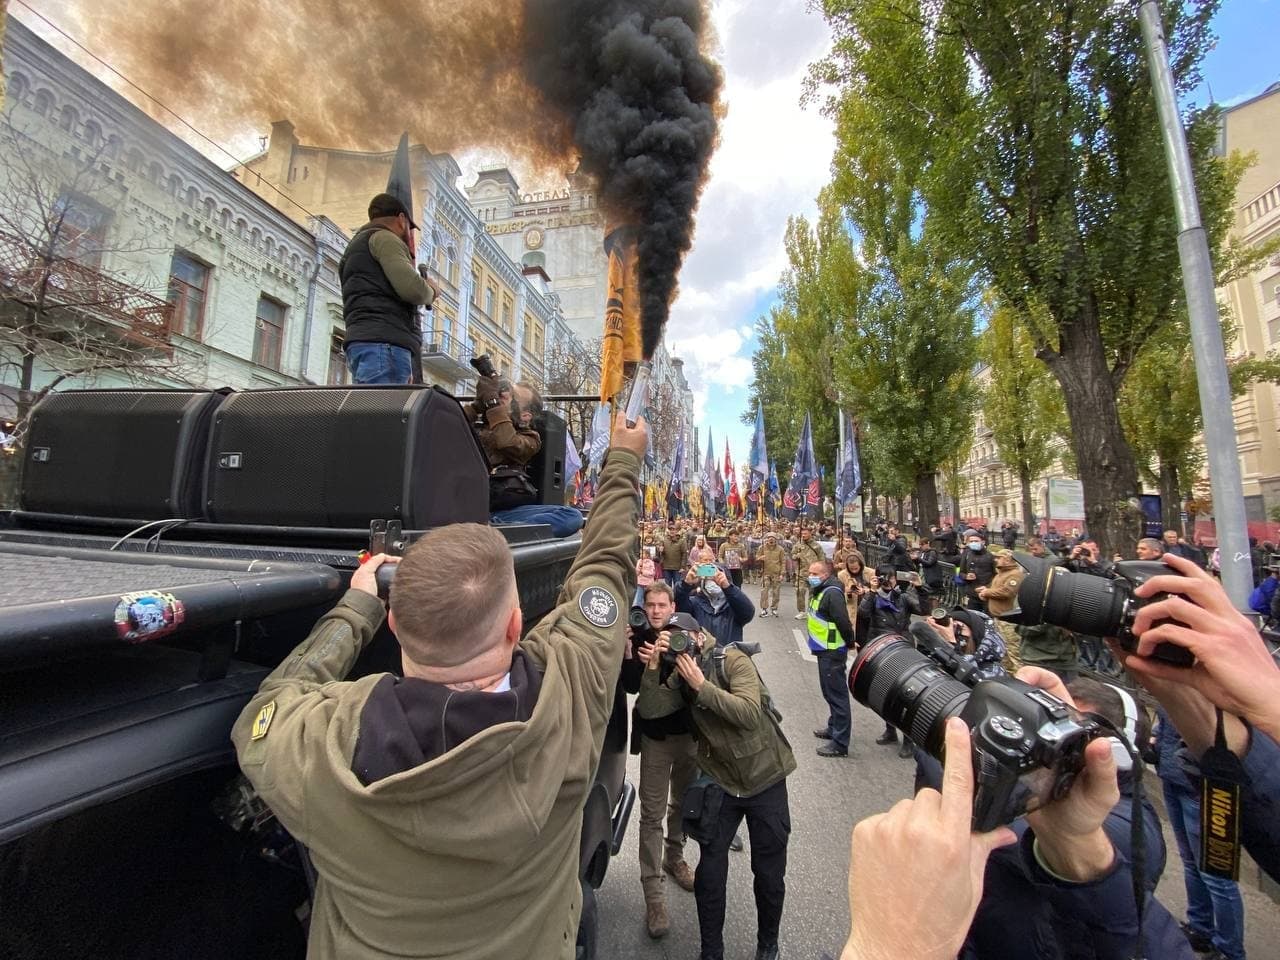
598	606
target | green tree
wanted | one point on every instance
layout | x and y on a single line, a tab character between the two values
1160	407
1037	135
1022	403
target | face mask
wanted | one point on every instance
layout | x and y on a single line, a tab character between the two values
976	547
713	592
815	581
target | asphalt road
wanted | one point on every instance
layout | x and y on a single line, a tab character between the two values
827	796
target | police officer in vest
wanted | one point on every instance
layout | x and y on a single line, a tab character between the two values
381	291
830	636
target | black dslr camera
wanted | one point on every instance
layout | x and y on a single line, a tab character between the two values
679	642
1092	605
1028	746
483	365
641	631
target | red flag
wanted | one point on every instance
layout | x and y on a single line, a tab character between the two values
728	465
735	499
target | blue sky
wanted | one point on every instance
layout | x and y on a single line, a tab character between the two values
774	158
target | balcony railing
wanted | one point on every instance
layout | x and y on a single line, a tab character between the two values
66	284
446	355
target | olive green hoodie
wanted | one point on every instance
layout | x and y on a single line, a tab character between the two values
472	855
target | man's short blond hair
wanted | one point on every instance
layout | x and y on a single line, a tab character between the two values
450	590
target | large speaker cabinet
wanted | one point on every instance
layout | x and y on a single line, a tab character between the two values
546	469
131	454
343	456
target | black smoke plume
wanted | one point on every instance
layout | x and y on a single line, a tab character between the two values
625	88
642	98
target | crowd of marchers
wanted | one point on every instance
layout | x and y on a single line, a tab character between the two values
441	803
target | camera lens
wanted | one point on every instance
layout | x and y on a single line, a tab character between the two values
678	643
1079	602
907	689
637	619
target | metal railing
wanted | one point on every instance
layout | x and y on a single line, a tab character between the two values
444	343
30	278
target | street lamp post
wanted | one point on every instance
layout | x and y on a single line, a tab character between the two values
1206	330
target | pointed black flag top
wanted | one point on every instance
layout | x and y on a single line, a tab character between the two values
400	183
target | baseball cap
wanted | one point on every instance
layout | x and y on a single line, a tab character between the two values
685	622
385	205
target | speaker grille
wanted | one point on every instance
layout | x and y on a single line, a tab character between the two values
136	454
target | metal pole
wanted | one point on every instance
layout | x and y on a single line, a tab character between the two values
1206	331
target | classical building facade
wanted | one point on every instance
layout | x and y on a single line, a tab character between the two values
563	229
135	219
490	302
1254	300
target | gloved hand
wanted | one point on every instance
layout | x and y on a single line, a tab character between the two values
487	390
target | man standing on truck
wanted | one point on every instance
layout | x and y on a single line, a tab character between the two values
443	809
381	293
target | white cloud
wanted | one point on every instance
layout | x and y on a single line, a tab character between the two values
772	160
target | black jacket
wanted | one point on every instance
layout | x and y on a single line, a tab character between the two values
934	576
879	615
898	555
983	565
371	308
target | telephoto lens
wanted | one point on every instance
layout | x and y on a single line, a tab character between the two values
907	689
1028	746
1090	605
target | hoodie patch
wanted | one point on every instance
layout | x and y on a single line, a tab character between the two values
598	606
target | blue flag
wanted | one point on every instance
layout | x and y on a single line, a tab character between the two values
775	489
802	487
676	490
709	476
849	479
758	461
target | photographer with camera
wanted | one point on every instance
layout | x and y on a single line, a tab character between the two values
506	419
888	609
381	291
443	808
1233	676
662	734
1067	887
721	607
746	759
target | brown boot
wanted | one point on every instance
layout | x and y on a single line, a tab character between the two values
656	919
681	872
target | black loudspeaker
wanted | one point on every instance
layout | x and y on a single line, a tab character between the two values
546	469
133	454
340	457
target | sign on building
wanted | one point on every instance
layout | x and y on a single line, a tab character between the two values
1066	499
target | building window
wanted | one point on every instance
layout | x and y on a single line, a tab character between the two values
92	134
489	296
68	119
268	333
43	103
475	286
506	315
338	372
81	229
188	286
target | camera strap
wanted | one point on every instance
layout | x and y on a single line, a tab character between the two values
1223	776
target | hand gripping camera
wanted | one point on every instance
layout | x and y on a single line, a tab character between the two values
1092	605
1028	746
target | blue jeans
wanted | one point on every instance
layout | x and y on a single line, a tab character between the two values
835	690
564	521
379	363
1214	907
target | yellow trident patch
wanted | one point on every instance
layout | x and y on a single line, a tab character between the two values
262	722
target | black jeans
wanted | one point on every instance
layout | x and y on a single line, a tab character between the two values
769	826
832	679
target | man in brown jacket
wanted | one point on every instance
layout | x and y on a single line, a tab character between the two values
443	809
1001	596
675	554
805	552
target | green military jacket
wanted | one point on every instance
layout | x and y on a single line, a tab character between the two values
772	560
674	552
740	746
472	855
806	553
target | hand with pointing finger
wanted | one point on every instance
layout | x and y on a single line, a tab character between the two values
925	866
